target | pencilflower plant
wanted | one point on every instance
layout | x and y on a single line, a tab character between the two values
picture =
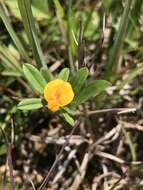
61	93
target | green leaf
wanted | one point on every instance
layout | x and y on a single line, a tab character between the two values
3	149
30	104
34	77
13	6
135	14
46	73
39	8
69	119
13	35
93	89
115	51
70	111
59	8
71	28
28	21
60	17
79	79
64	74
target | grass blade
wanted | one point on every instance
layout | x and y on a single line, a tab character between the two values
13	35
71	26
10	62
130	143
81	47
115	52
60	16
28	21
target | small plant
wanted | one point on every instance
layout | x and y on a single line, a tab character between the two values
60	93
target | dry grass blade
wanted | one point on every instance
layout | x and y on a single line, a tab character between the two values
74	140
112	110
116	159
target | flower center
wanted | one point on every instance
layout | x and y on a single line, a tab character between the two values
57	96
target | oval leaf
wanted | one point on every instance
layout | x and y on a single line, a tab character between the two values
64	74
69	119
91	90
46	73
79	79
34	77
30	104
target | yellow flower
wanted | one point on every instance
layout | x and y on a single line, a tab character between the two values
58	93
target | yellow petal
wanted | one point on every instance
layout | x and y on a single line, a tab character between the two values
67	94
53	106
58	93
51	88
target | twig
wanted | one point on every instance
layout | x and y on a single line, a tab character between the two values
31	183
97	179
9	158
64	166
105	171
116	159
74	140
131	125
80	175
44	183
119	111
110	136
118	181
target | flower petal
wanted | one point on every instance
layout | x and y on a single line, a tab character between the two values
58	93
53	106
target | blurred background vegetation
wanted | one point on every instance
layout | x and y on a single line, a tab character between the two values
107	37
